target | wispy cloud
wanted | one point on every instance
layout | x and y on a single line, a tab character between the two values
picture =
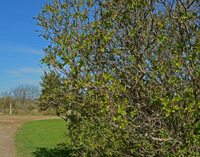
21	49
22	71
14	72
28	50
29	81
32	71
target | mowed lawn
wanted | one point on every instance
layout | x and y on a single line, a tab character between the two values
41	138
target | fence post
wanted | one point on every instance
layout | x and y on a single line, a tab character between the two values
10	108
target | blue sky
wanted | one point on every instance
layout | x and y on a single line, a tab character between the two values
19	59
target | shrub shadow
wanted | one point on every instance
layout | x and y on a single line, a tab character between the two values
52	152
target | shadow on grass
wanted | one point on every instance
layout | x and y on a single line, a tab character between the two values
52	152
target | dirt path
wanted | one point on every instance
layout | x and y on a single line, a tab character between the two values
8	126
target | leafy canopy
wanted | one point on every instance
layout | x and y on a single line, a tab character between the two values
129	73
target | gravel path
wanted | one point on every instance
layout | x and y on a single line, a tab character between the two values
8	127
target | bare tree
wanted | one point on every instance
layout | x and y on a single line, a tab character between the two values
26	96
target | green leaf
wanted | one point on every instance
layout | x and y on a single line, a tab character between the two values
123	124
194	14
133	113
118	117
88	75
176	107
105	77
64	46
178	65
198	104
95	23
110	87
163	99
123	89
189	90
114	118
115	50
123	112
173	99
126	101
74	70
132	57
132	33
119	109
178	98
107	38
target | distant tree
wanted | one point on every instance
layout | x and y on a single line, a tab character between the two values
5	99
26	96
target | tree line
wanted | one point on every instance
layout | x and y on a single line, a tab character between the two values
23	98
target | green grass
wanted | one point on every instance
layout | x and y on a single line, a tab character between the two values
41	139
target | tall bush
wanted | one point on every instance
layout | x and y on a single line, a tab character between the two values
130	70
52	93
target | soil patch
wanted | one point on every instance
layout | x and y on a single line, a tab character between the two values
8	127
